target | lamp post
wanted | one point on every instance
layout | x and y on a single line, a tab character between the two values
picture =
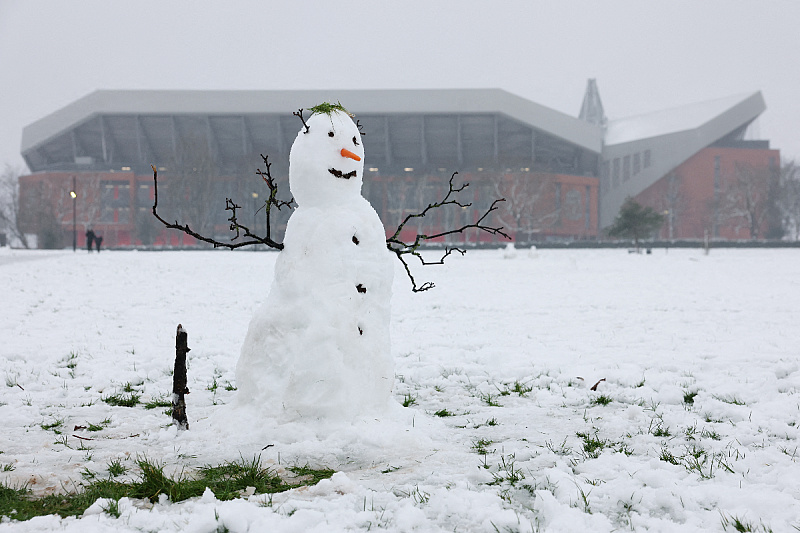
255	216
74	196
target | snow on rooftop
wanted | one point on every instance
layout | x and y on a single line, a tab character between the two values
672	120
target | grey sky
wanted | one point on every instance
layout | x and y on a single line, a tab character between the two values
646	55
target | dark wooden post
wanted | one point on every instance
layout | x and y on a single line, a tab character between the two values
179	387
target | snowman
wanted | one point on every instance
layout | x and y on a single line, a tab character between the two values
319	346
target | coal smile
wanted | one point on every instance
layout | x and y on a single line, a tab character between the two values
340	174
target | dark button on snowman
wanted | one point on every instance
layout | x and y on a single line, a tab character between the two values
319	346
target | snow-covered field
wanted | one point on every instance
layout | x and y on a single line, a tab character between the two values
694	427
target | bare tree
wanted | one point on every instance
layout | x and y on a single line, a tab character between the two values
789	198
191	186
746	200
673	202
529	206
10	204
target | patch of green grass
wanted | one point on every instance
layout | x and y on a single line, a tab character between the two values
601	400
98	427
507	471
227	481
518	388
730	398
54	425
659	430
115	468
229	386
702	463
560	449
327	108
443	413
122	400
480	446
688	397
583	503
593	445
311	475
741	525
71	361
490	400
409	400
669	457
112	508
161	401
492	422
8	467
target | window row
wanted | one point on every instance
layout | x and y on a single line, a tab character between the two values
621	169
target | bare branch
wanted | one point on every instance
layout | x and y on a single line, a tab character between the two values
272	201
235	225
400	248
299	114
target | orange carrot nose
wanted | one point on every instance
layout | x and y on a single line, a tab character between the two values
351	155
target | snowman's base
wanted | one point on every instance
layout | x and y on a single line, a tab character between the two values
361	441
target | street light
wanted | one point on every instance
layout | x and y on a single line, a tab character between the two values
255	216
668	213
74	196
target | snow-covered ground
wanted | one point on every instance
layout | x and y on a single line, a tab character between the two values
694	427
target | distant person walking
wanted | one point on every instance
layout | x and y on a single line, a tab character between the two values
90	237
98	240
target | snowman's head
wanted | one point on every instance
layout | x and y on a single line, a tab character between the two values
326	163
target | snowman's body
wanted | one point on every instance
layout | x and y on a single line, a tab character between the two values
319	346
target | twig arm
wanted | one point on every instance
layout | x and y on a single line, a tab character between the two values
401	248
235	225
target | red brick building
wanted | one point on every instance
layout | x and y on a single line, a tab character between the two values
721	189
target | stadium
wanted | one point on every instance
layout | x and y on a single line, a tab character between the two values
564	177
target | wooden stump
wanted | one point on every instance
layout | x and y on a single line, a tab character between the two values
179	387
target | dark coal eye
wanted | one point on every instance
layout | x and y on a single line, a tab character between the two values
355	141
330	134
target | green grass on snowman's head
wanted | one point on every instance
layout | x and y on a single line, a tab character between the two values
326	108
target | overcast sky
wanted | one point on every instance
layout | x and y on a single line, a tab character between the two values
645	55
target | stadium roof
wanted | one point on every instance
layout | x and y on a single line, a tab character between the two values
744	107
58	137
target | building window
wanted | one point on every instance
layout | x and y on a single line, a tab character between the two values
637	163
626	168
615	174
587	205
647	159
123	215
572	204
717	187
558	196
144	195
115	193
